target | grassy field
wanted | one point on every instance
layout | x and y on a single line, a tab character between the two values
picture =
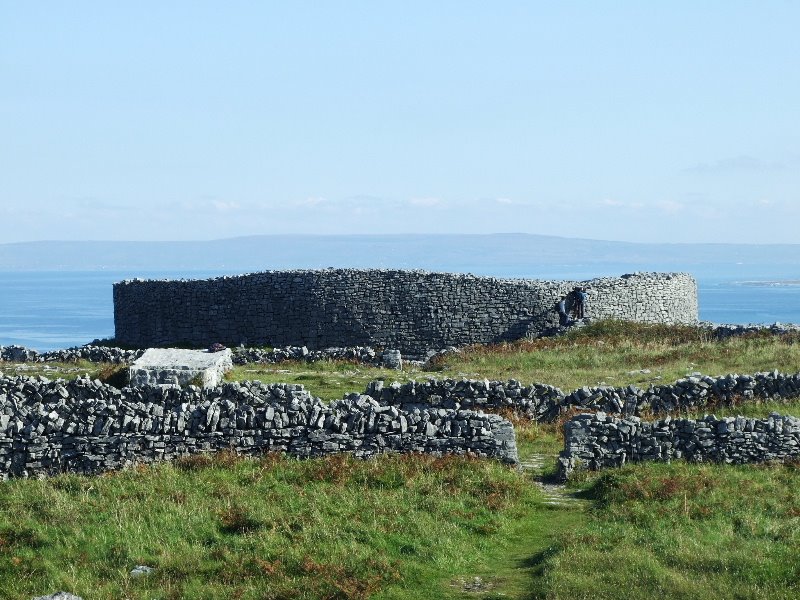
606	353
419	527
684	531
276	527
401	528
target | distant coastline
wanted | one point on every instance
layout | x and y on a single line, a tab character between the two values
771	283
494	254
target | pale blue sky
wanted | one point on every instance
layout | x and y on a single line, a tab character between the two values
670	121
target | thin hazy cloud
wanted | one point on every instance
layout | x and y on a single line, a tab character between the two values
736	164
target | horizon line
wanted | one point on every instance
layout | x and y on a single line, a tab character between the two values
394	235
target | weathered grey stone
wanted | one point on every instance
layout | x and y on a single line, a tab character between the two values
16	353
59	596
546	403
599	441
392	359
88	352
97	428
412	311
173	366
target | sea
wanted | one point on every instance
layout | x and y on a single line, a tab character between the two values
51	310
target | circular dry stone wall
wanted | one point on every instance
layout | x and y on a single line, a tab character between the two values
412	311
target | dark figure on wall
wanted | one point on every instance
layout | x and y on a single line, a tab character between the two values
579	305
561	307
572	303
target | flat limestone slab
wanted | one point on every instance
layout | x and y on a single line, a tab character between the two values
164	366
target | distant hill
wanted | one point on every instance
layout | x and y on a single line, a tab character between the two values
498	254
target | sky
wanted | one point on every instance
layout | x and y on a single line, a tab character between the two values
632	121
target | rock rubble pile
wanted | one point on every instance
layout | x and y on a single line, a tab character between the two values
725	331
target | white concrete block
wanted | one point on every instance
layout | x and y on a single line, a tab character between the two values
164	366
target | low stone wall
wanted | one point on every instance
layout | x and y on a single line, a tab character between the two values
599	441
357	354
92	353
360	354
546	403
241	356
725	331
84	426
537	401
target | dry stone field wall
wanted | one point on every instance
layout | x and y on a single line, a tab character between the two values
413	311
599	441
84	426
241	356
546	403
92	353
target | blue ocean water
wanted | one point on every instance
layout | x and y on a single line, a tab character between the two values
49	310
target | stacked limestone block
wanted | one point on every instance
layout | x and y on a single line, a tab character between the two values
84	426
537	401
546	403
88	352
598	441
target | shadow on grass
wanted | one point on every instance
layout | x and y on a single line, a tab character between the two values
536	565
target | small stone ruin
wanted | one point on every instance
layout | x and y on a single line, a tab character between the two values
172	366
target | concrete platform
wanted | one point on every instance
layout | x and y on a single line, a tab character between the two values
163	366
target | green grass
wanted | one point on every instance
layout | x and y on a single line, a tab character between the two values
329	380
112	374
276	527
401	527
684	531
614	353
605	353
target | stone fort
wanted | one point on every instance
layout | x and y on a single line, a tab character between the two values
412	311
